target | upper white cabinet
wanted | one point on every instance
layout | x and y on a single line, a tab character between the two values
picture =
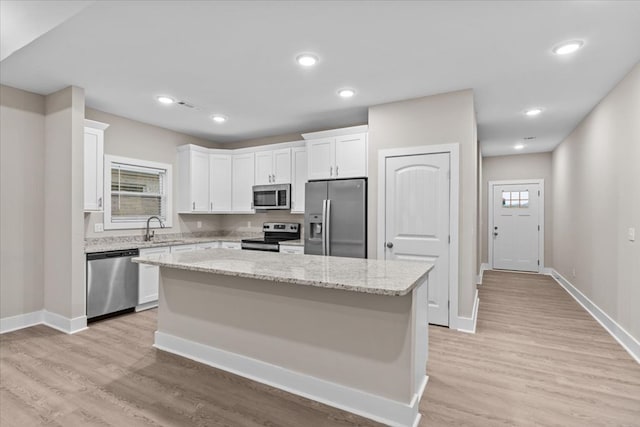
299	178
220	174
242	183
94	165
273	167
193	179
340	153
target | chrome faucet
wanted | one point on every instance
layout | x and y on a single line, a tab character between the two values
149	235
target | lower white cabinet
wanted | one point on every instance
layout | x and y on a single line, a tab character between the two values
286	249
207	245
149	276
183	248
230	245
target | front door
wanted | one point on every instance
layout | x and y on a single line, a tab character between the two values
515	229
417	221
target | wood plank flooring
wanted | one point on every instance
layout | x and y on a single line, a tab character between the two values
537	359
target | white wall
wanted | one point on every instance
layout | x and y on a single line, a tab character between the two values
522	166
439	119
129	138
596	199
22	148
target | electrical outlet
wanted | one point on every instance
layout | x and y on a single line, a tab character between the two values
573	272
98	227
631	234
199	224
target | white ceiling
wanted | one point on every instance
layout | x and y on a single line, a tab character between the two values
238	59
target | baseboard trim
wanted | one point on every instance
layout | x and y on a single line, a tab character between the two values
43	317
368	405
147	306
624	338
21	321
468	324
483	267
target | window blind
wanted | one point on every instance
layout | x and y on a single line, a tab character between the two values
137	193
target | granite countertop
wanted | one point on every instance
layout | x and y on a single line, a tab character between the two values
392	278
128	242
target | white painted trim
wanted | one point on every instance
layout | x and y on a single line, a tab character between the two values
95	125
624	338
483	267
468	324
147	305
43	317
21	321
359	402
454	200
331	133
540	182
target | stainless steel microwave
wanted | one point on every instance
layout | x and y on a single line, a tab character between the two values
276	196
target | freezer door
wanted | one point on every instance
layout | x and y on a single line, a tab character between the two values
315	195
347	232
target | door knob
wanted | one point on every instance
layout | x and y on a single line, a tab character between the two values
389	245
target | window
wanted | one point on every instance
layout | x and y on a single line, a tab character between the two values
515	199
136	190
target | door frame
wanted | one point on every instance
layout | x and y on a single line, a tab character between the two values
490	201
454	190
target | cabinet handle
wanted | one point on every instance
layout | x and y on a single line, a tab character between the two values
330	170
211	206
274	177
336	170
194	206
99	202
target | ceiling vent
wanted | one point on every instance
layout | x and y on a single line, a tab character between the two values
187	105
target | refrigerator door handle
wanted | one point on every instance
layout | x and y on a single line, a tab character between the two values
324	227
327	233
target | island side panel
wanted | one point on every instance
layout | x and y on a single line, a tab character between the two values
420	351
359	340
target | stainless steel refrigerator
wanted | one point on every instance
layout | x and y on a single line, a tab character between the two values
336	218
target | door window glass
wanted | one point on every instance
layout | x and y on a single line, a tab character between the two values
515	199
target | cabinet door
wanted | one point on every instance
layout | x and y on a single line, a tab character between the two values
321	156
220	182
299	178
199	181
208	245
149	277
282	166
351	156
93	169
264	167
242	183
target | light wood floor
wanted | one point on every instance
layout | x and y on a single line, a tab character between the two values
537	359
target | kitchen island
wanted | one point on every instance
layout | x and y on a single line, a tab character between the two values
350	333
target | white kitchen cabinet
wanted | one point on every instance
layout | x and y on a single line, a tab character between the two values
230	245
183	248
193	179
273	167
299	178
338	157
220	175
291	249
149	276
207	245
242	183
94	165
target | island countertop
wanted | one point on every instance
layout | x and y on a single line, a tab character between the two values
392	278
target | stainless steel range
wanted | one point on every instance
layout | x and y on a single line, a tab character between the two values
274	232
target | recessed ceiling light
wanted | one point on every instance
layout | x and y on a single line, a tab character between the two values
165	99
346	93
307	59
566	48
219	118
533	112
518	146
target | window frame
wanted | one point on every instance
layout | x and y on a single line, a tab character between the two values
109	160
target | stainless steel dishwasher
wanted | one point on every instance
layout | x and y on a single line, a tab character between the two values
112	282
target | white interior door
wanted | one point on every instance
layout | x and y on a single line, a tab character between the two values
417	221
515	227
